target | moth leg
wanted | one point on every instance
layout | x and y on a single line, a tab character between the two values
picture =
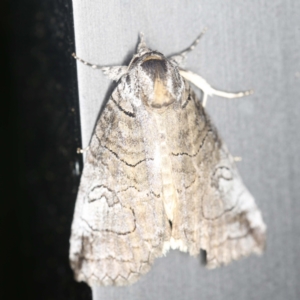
203	85
180	58
237	158
204	101
82	150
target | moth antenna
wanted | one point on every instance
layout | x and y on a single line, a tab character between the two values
86	63
181	57
196	42
112	72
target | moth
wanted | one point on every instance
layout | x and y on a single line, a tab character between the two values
157	176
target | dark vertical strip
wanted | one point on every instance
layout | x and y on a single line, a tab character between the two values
40	134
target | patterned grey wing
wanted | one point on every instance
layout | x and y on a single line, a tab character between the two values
233	222
119	224
215	211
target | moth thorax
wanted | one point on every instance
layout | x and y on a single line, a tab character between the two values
159	93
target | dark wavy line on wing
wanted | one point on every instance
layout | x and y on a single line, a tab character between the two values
122	160
189	98
128	113
107	230
200	146
225	210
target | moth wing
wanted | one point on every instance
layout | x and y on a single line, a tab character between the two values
233	222
119	223
215	211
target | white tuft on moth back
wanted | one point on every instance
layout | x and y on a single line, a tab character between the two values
157	176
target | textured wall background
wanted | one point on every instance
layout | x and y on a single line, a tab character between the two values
249	44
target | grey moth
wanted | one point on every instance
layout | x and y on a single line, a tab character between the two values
157	176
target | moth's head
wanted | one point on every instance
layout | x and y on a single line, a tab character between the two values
155	78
